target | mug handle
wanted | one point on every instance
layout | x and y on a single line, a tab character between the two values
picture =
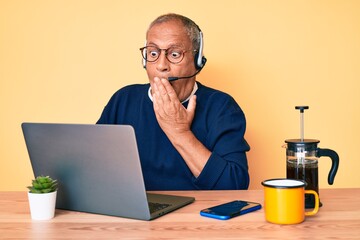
316	208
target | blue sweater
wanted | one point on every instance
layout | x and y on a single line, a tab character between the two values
219	123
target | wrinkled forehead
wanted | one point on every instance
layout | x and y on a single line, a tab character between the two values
170	32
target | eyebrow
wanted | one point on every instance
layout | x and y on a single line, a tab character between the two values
171	45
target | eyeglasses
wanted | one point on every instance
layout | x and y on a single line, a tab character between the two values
173	54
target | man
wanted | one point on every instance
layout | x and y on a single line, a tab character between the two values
189	136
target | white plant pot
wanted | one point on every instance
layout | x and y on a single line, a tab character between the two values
42	205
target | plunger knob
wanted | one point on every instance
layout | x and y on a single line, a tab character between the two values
301	108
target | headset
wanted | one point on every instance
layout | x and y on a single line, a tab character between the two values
200	60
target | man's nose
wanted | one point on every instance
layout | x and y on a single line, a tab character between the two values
162	64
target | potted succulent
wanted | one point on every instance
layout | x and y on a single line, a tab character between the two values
42	198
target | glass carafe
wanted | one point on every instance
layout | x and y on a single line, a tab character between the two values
302	163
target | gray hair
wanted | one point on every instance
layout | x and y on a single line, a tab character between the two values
192	29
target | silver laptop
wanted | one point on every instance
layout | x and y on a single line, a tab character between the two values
98	169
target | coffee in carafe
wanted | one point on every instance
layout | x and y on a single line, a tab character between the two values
302	161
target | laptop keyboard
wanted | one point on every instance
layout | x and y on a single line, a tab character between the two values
157	206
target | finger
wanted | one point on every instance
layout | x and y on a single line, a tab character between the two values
169	89
161	90
153	85
156	106
157	99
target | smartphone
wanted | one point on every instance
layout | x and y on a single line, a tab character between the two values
231	209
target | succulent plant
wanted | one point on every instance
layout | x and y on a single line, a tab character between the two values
43	184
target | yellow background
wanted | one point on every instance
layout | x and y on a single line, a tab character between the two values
60	61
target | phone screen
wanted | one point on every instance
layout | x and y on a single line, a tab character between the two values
230	209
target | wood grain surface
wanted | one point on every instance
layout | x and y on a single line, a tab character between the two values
339	218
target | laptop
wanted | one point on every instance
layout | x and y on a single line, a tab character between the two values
98	169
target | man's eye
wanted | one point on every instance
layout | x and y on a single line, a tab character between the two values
175	54
153	54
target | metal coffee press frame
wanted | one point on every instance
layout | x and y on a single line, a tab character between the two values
302	148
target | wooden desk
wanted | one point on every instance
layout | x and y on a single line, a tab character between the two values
339	218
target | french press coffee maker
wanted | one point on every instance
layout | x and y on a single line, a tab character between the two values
302	161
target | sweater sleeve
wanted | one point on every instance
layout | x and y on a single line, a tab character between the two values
227	166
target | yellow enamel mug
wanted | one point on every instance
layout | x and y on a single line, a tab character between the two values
285	201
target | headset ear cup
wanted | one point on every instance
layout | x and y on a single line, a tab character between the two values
200	60
144	64
196	60
203	61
